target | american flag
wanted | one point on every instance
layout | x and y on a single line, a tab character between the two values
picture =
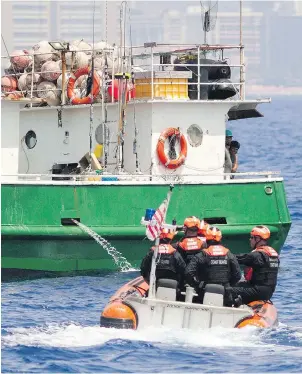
153	229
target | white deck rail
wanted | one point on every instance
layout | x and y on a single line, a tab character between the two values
144	58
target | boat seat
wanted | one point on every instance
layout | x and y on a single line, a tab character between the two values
166	289
213	295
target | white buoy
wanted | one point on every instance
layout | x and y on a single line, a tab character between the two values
82	45
99	62
52	99
45	87
100	46
20	59
71	55
50	70
82	60
25	81
47	52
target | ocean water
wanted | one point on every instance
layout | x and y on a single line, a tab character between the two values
52	325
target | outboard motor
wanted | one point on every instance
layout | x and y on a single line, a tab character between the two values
213	295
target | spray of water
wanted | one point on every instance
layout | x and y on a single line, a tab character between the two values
120	261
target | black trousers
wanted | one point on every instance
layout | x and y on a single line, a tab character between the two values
250	293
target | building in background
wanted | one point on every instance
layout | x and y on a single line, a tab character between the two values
24	23
270	29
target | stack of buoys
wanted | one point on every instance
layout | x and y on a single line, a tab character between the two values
37	72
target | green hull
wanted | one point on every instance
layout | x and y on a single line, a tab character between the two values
33	237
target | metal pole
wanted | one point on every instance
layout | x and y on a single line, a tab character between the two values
152	283
32	80
63	56
241	90
198	73
152	73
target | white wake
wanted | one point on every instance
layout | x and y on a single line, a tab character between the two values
73	335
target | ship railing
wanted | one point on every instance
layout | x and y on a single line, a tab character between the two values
150	57
137	177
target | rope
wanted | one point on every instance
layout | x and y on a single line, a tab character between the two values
134	106
92	78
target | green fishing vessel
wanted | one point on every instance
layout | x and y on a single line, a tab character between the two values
103	156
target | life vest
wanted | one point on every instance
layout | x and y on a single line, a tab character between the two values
218	269
266	275
189	247
165	260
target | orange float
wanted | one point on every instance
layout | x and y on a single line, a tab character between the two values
265	315
163	157
71	83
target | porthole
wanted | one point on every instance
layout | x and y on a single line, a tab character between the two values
30	139
195	135
268	190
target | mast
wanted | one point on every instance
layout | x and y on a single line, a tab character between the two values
241	89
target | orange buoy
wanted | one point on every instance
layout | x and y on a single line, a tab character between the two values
163	157
8	84
115	90
71	83
119	315
265	315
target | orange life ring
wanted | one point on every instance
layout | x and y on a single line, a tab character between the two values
71	82
165	160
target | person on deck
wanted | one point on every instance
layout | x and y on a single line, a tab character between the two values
234	147
170	264
191	243
263	263
215	264
227	159
228	138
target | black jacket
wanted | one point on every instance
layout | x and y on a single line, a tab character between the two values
265	267
199	269
170	266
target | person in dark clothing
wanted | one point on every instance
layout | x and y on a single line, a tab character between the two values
263	263
170	264
191	243
234	147
215	264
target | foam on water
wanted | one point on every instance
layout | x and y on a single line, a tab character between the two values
73	335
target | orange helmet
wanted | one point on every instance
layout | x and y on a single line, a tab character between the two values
261	231
191	222
203	228
167	234
213	233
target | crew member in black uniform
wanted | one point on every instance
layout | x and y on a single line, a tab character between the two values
263	263
170	264
191	243
215	265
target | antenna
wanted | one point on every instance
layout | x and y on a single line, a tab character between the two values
209	10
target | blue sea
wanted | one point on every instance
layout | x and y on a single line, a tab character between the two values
52	325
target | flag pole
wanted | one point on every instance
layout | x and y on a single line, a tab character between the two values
152	281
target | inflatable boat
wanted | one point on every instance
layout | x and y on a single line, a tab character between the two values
131	308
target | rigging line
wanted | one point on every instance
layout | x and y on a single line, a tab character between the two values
15	73
92	84
134	107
